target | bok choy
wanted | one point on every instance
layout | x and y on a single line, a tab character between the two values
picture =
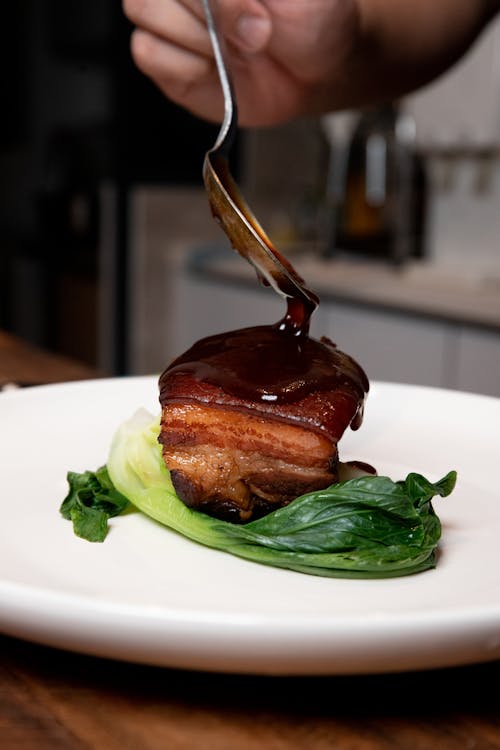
369	527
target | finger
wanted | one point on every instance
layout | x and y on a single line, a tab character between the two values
189	79
171	20
247	24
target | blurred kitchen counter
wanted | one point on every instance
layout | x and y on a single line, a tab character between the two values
468	296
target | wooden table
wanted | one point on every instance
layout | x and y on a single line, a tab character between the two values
24	364
53	700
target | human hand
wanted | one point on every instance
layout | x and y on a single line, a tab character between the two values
287	57
298	57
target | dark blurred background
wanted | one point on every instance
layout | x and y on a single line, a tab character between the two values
80	126
109	254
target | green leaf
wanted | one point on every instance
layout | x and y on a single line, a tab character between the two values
356	514
89	523
92	499
422	491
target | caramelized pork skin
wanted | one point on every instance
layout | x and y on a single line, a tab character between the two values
251	419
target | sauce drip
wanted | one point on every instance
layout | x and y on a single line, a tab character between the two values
249	239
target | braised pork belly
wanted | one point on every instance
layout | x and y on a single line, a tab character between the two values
251	419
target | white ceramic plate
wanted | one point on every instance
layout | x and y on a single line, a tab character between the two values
151	596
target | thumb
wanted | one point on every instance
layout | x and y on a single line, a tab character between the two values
246	23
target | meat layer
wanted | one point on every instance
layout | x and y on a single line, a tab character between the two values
236	465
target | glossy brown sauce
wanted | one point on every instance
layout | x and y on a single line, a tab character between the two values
269	364
274	364
362	466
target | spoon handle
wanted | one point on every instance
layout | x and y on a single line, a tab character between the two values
229	124
230	208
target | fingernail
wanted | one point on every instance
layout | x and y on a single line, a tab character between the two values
253	32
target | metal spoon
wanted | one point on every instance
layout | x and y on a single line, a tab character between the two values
230	208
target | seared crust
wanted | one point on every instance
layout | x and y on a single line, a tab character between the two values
325	412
